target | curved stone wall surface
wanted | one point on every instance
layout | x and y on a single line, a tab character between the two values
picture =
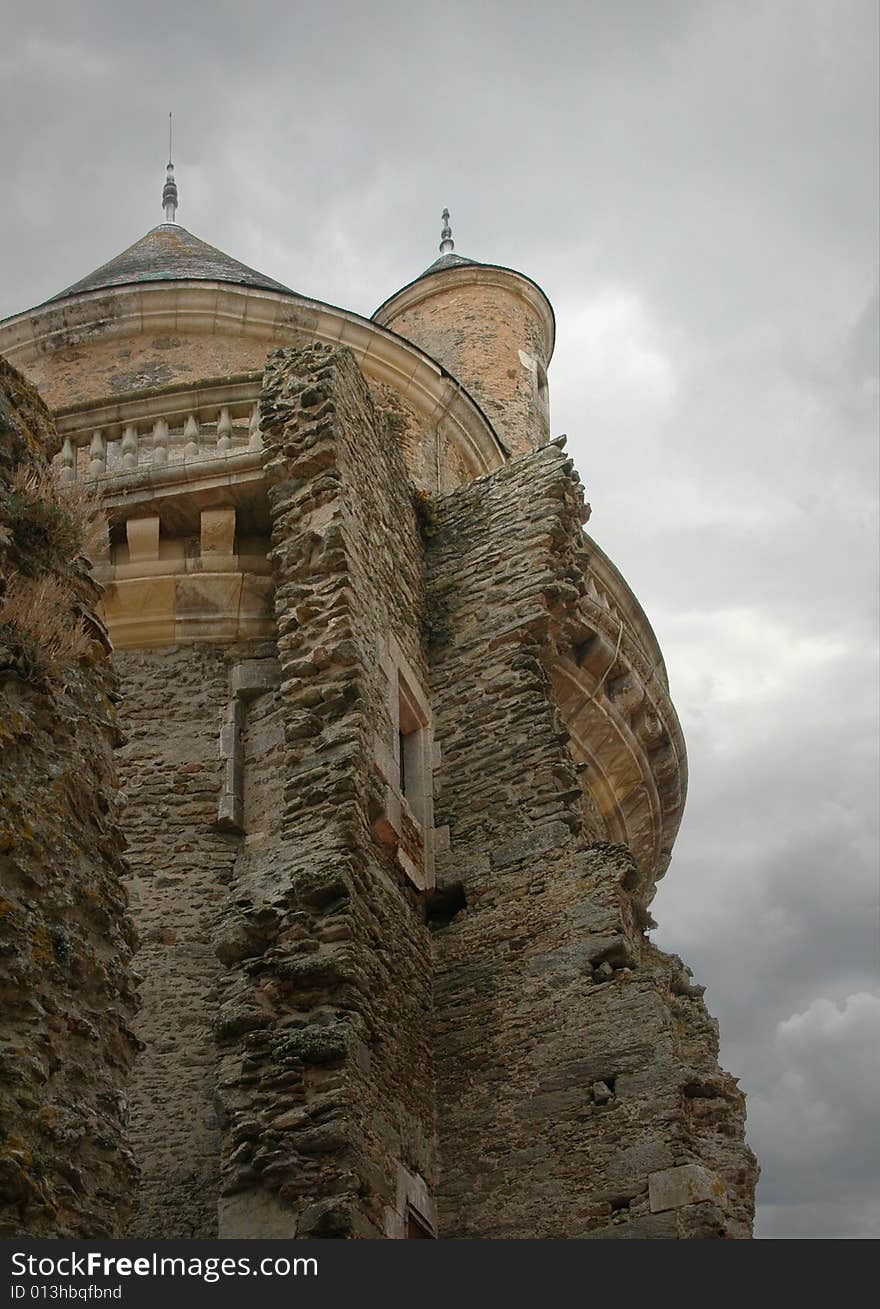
92	353
476	324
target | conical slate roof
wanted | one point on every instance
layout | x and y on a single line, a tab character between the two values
445	261
448	259
169	253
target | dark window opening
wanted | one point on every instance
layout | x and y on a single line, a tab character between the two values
410	746
443	903
417	1227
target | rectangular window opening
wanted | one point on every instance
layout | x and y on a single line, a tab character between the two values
417	1227
411	742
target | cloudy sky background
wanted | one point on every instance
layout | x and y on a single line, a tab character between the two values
695	186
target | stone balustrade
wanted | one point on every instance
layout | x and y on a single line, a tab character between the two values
160	430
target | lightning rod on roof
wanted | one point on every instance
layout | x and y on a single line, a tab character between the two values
447	245
169	192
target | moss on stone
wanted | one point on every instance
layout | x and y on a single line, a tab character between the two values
435	624
320	887
315	1044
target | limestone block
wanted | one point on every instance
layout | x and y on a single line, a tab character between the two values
215	562
142	535
386	763
140	611
388	826
230	809
708	1221
256	611
688	1184
415	874
207	606
217	531
149	568
254	676
230	813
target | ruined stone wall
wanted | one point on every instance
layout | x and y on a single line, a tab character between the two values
325	1084
579	1093
66	993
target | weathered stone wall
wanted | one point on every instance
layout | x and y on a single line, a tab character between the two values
95	365
325	1085
66	994
579	1093
432	458
172	776
494	342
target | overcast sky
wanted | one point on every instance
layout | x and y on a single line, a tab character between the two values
695	186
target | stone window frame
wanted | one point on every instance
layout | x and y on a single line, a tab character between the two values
248	679
406	763
412	1204
543	388
540	384
417	1226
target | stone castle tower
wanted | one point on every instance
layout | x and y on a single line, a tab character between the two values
398	770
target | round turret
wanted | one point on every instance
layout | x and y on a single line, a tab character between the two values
492	328
150	336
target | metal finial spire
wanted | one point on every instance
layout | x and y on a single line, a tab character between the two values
169	193
447	245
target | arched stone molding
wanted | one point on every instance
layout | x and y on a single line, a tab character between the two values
613	693
38	340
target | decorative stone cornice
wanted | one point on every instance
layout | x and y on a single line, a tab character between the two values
224	309
611	684
636	766
610	589
212	587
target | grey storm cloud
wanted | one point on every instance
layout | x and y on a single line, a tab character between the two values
694	185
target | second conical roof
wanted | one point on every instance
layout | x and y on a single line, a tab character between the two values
170	253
